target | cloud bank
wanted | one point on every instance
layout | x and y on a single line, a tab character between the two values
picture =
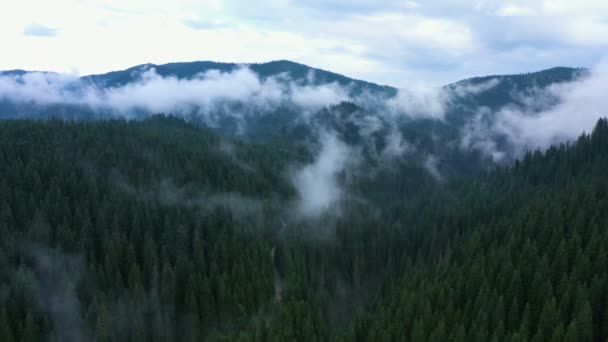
238	93
576	107
542	116
419	102
203	94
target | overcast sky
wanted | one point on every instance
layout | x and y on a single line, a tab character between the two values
396	42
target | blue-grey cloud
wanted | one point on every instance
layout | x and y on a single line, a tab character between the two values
38	30
203	24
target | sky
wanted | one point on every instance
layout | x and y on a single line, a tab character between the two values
394	42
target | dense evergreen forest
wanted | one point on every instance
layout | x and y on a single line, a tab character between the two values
158	230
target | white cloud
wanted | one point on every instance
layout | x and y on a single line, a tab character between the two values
419	102
509	10
318	96
40	88
424	101
169	94
317	183
414	31
580	104
466	88
207	94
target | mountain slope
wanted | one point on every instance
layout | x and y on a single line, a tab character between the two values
187	70
531	266
502	90
291	102
156	229
311	76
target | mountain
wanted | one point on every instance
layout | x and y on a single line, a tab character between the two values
498	91
304	75
294	204
273	100
16	72
43	94
291	103
494	98
187	70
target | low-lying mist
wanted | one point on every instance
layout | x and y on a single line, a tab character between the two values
341	139
555	114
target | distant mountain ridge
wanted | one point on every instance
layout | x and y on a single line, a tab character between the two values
465	99
298	71
546	76
378	124
187	70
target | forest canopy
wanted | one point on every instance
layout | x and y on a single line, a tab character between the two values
160	230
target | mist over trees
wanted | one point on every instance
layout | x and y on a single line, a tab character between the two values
117	216
490	114
300	205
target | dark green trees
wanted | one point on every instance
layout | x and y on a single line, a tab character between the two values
168	235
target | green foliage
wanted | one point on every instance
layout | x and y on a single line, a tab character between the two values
127	213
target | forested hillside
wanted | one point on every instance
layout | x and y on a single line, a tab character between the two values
163	231
188	70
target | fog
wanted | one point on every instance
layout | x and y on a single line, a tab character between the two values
317	183
52	281
538	117
419	102
202	94
166	192
558	113
211	91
